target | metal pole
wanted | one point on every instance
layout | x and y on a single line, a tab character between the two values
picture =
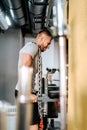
61	17
23	104
49	12
62	32
62	47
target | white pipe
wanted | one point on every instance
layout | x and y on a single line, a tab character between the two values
62	32
23	106
62	48
49	12
61	17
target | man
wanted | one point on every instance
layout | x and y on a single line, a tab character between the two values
28	57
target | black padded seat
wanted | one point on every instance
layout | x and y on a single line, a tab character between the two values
53	94
52	110
53	91
52	87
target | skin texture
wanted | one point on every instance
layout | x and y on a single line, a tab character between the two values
43	41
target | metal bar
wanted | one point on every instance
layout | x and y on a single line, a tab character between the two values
62	32
40	3
45	99
62	22
62	47
49	12
23	106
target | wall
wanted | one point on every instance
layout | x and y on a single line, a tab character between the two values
9	47
77	95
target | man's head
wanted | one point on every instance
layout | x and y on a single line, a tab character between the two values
43	39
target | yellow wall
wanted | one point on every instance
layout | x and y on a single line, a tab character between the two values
77	101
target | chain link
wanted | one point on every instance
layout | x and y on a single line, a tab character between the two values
40	104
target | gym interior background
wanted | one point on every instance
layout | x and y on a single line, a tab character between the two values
12	39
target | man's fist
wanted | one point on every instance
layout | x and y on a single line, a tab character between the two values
32	98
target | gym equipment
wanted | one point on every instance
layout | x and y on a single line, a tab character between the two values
50	99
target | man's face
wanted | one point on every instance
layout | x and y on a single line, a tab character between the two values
43	41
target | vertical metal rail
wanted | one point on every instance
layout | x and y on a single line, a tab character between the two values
62	47
49	12
23	104
62	33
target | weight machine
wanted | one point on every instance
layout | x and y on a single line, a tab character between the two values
50	101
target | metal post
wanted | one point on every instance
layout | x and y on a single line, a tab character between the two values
62	47
49	12
62	32
23	104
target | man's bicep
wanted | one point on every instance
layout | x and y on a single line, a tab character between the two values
26	60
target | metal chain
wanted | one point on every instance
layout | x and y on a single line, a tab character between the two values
33	84
40	104
40	73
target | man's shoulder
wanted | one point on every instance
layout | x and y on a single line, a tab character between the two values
31	43
30	48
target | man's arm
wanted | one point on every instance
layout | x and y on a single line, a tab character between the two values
26	60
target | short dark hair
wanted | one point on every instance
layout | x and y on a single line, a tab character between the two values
46	31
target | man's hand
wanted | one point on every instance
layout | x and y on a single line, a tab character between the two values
32	98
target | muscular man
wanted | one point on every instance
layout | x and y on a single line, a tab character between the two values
28	57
